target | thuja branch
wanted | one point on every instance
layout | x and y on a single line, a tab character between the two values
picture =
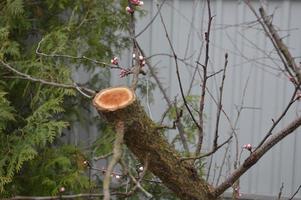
22	75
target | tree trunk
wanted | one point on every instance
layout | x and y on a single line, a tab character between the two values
146	141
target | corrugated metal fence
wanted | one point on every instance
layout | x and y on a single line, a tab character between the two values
253	64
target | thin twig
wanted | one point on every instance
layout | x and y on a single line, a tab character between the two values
280	44
151	21
42	81
165	96
154	75
103	156
137	182
177	72
215	73
276	122
204	83
223	163
209	153
117	153
135	60
233	127
38	52
295	193
269	35
280	191
218	115
256	155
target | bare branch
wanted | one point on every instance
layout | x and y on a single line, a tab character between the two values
151	21
117	153
103	156
280	191
209	153
276	122
38	52
177	72
221	88
280	44
295	193
264	23
61	85
204	83
137	182
165	96
256	155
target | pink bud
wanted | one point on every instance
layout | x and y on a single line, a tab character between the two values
129	9
247	147
135	2
62	189
124	72
114	61
141	58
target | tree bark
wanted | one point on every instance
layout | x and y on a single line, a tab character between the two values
145	140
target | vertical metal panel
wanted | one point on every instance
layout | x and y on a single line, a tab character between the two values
267	92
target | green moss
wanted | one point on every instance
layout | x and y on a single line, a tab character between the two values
144	139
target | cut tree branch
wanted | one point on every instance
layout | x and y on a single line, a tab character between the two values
144	139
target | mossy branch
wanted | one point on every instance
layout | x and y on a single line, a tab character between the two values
144	139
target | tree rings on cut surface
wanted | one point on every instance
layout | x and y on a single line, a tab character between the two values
112	99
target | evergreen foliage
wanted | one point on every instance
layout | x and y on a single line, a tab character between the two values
33	116
47	39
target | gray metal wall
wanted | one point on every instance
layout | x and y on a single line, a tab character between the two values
252	64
